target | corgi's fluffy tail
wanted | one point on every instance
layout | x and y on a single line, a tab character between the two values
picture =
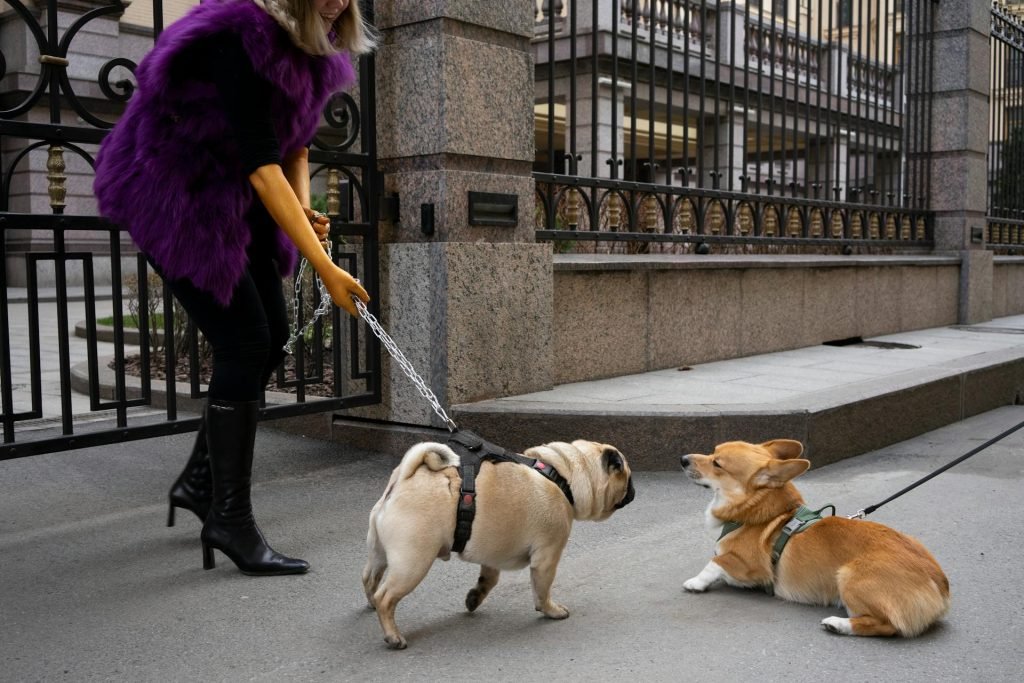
435	456
921	607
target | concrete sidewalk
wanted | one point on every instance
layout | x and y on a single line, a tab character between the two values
838	400
96	588
52	399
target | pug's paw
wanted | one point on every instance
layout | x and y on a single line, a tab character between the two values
555	611
473	599
395	642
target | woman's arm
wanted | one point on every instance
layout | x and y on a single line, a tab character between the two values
283	205
296	170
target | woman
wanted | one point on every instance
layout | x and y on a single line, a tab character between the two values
208	170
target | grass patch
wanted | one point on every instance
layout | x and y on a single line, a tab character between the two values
130	321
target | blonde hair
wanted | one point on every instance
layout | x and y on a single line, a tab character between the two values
306	28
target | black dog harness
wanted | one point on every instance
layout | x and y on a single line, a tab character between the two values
472	451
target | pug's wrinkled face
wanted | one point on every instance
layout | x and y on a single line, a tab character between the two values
617	469
617	491
599	476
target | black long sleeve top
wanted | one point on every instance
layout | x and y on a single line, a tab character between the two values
221	60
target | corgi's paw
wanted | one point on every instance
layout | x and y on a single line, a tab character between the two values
711	575
837	625
696	585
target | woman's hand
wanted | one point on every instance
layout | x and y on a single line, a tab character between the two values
342	286
339	283
321	225
283	205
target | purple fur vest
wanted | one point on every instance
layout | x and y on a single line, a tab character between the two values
170	171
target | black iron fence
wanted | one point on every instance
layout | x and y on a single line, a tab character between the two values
671	125
126	379
1006	131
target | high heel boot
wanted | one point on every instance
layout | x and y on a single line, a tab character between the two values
194	486
230	527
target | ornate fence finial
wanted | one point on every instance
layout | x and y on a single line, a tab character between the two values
55	175
333	193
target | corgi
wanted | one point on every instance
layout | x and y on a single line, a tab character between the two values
887	581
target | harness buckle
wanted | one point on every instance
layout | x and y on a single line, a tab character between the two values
793	525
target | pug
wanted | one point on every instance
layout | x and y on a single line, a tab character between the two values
522	519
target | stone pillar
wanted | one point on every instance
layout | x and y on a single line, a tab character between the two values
959	142
469	304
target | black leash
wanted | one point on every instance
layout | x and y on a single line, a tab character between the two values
868	510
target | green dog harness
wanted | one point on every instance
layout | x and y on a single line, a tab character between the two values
801	520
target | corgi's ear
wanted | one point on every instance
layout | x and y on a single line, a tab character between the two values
778	472
784	449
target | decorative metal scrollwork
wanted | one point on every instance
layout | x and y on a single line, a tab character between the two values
122	89
54	61
342	114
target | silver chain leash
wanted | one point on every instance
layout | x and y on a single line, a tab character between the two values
325	305
321	310
404	363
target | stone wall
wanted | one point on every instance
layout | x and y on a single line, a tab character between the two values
1008	286
619	315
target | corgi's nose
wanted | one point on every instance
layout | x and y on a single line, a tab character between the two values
684	461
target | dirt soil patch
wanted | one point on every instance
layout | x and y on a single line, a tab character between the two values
133	368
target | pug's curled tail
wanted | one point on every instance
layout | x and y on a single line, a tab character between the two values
435	456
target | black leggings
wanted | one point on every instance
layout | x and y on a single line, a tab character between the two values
248	336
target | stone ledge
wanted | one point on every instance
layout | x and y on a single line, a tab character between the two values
580	262
832	428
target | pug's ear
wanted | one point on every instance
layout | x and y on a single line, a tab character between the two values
612	460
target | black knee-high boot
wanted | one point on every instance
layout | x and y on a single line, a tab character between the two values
230	526
194	486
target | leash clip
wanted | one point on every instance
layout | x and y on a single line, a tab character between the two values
857	515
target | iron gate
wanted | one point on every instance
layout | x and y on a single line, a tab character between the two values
67	383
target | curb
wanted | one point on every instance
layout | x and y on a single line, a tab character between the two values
837	426
105	333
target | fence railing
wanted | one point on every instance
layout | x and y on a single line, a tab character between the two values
684	121
1006	132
